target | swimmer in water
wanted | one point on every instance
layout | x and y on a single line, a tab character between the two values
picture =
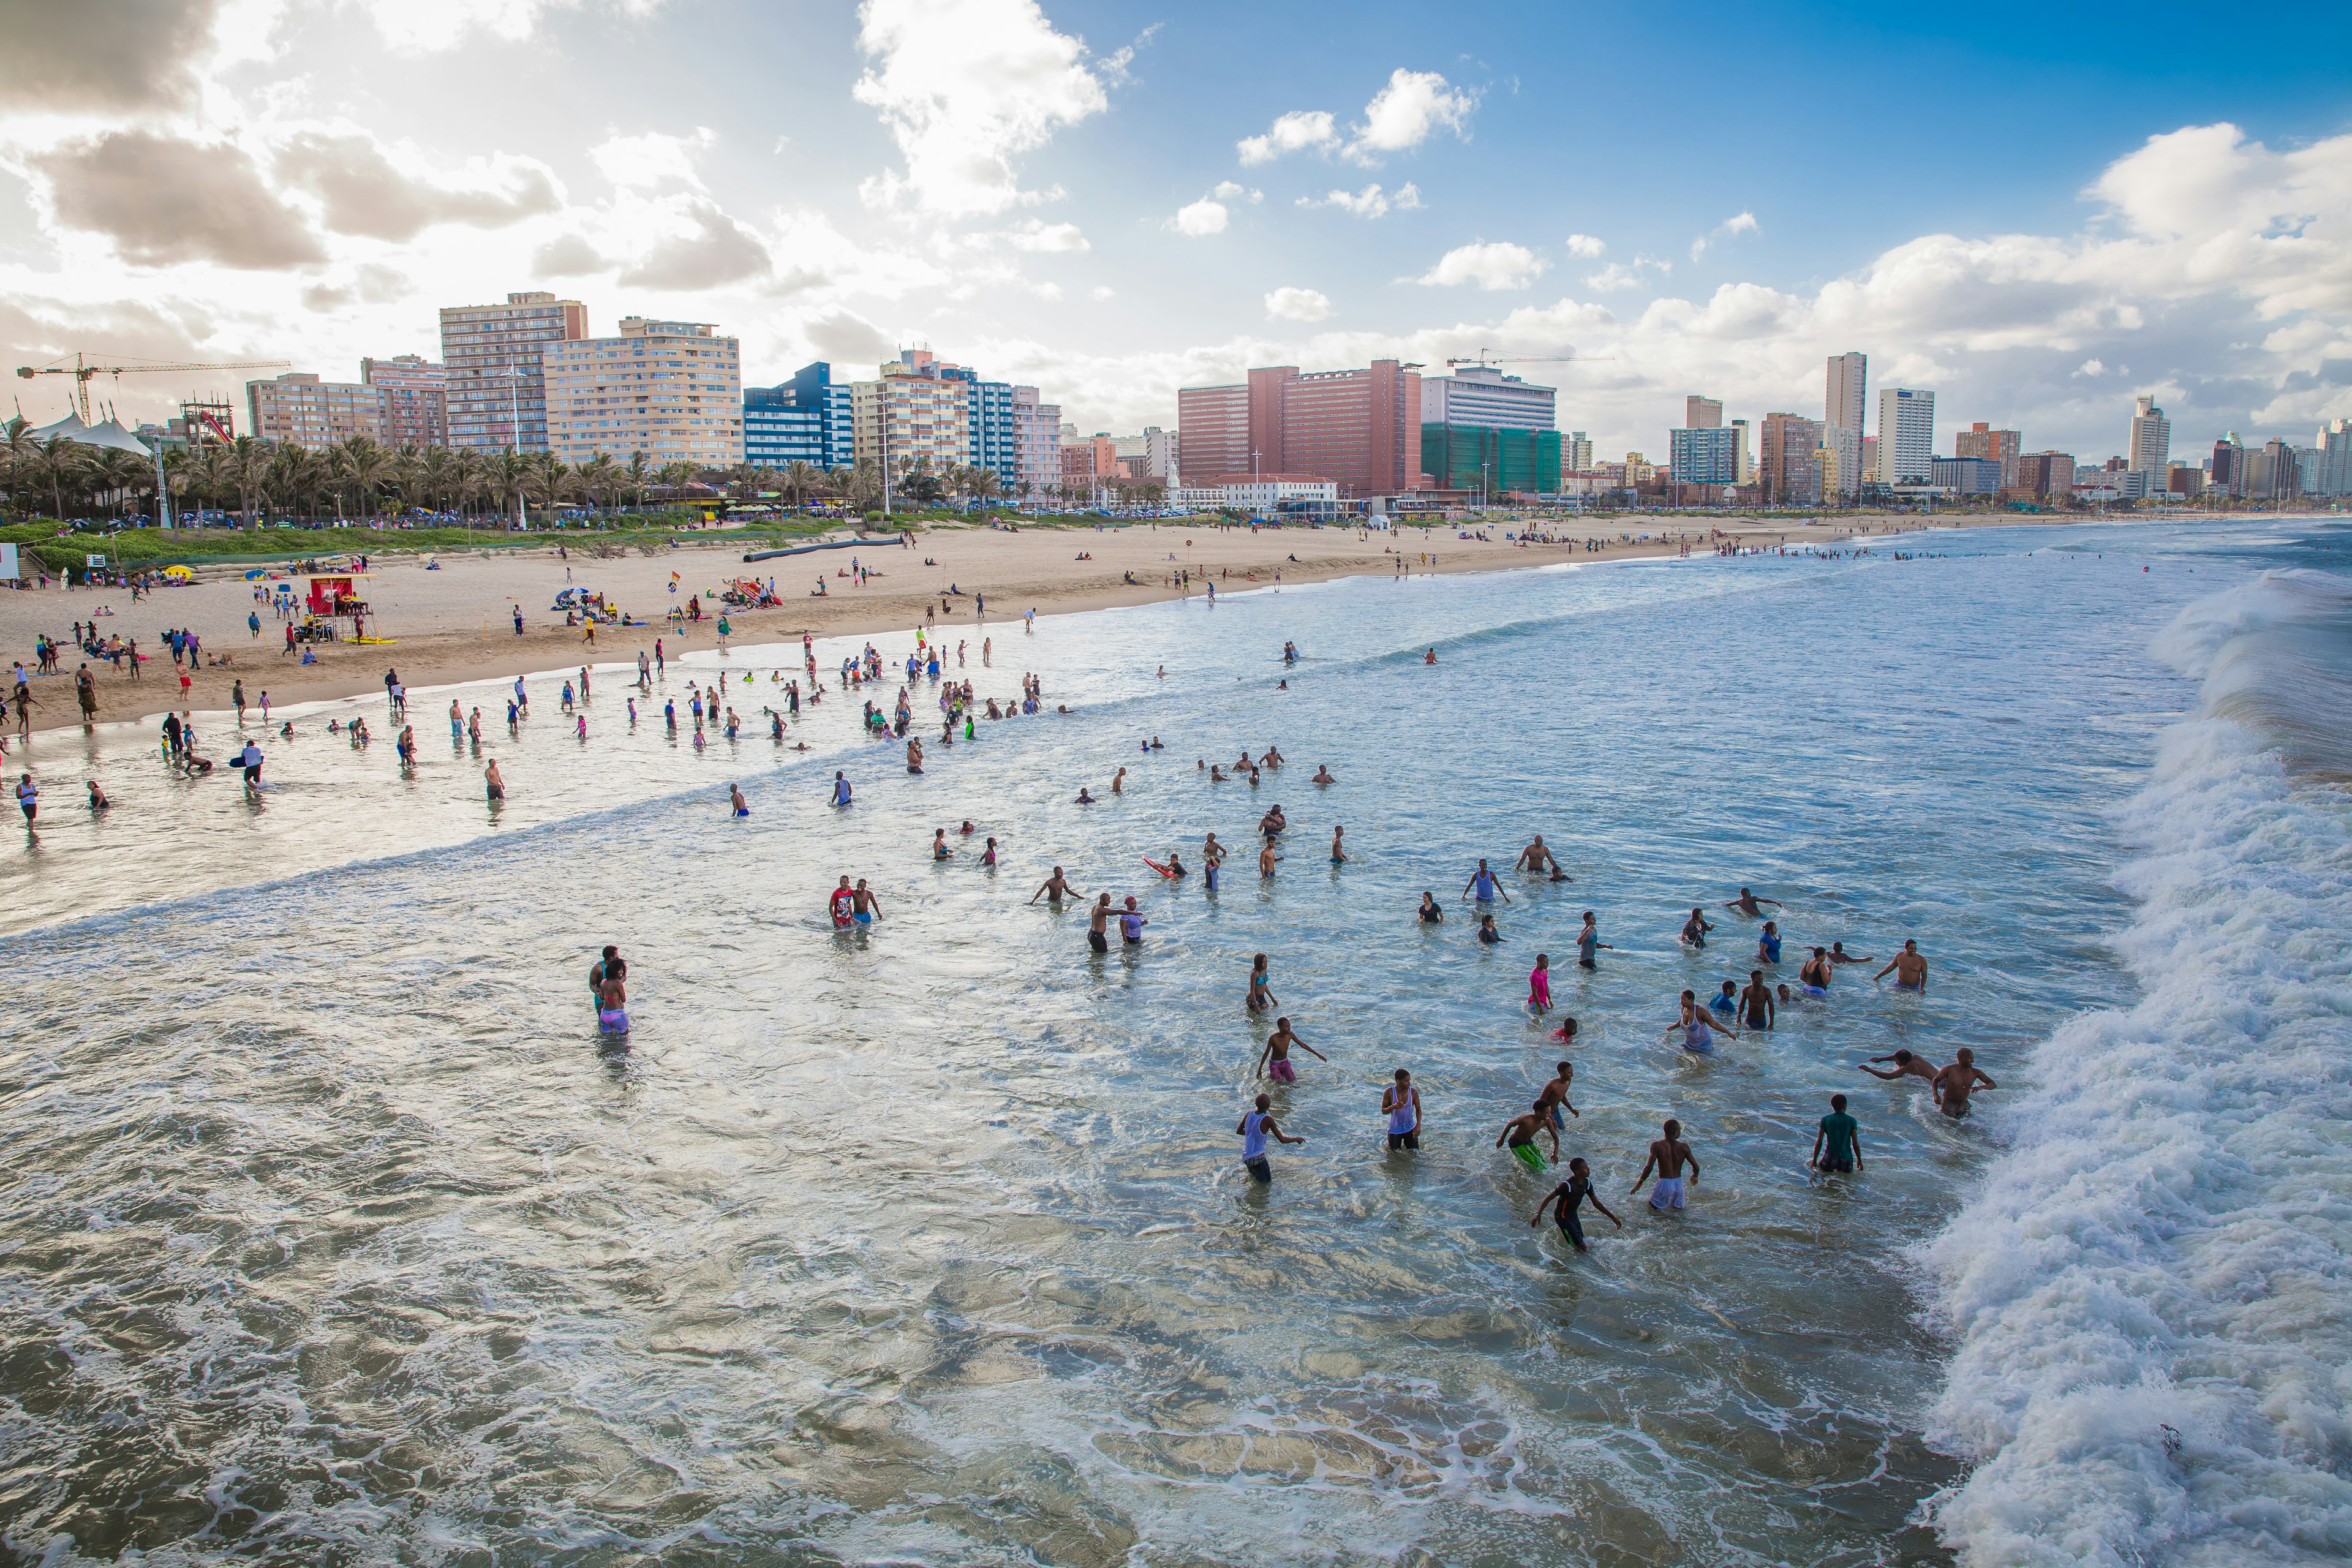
1274	821
1815	975
1695	929
1487	931
1695	1028
1540	985
865	907
1539	858
1084	798
1482	888
1429	657
1339	856
1906	1066
1400	1104
1756	1007
735	799
1323	775
1274	1061
1838	954
840	787
1097	924
1212	858
1260	998
492	783
1431	913
612	1006
939	850
1566	1032
1267	859
97	801
1552	1099
1668	1155
1056	887
1768	944
1910	969
1518	1135
1837	1145
1587	943
842	904
1749	904
1562	1201
1256	1128
1956	1082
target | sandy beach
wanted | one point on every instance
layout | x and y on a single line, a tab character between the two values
455	624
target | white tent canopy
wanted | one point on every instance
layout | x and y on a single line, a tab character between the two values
111	435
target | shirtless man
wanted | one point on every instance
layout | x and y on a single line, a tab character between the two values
865	906
1910	971
1536	858
1906	1066
1749	904
1756	1007
1518	1135
1667	1156
1265	860
1274	1060
1098	919
1838	954
1323	775
1057	888
1552	1099
1273	822
1956	1082
1273	759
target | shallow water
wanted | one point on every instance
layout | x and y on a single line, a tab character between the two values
334	1233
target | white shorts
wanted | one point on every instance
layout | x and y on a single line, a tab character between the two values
1667	1193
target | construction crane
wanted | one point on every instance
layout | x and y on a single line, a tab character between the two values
81	370
1483	358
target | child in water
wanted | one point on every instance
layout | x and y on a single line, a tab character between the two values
1540	985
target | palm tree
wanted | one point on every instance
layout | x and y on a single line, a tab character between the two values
799	481
247	469
985	485
640	476
365	465
122	475
58	460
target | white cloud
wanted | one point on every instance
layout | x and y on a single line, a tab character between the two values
1037	235
2091	367
1742	223
645	161
1624	275
1206	216
1404	114
1497	264
1226	190
964	87
1101	292
1293	132
1288	304
419	26
1370	202
1584	245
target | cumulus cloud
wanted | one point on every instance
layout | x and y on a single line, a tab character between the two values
964	87
107	55
1226	190
1292	132
1037	235
1743	222
848	337
713	249
162	200
1288	304
420	26
1497	264
567	255
1625	275
1370	202
362	192
1584	245
1206	216
369	284
653	158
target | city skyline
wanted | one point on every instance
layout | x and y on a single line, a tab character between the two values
1129	221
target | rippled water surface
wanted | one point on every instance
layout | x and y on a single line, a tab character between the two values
333	1233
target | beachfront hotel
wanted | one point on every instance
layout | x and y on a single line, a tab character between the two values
672	390
496	399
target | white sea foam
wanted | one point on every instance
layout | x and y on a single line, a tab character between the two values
2152	1293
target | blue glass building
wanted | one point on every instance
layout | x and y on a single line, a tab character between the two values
803	420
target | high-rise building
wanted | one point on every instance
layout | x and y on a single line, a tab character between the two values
913	412
1981	440
803	420
2227	472
415	399
1353	426
1907	435
302	410
2045	473
1707	455
1843	420
497	397
2333	465
988	421
1488	461
1213	431
1791	461
1481	395
1149	454
1744	453
672	390
2151	438
1036	445
1702	412
2277	471
1575	452
1968	476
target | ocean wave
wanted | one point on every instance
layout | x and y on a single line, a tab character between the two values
2151	1294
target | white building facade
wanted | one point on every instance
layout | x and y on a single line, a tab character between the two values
1907	435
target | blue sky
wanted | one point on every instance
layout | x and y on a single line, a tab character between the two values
2037	218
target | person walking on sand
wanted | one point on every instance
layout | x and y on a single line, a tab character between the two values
1400	1104
1256	1126
1837	1144
1668	1155
1562	1201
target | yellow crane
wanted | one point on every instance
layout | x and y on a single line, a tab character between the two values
81	370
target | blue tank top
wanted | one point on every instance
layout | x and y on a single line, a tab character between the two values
1254	1135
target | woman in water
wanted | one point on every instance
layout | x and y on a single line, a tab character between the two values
612	1006
1260	998
1431	912
1694	930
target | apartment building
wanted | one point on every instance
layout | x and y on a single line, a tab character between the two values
415	399
303	411
672	390
496	394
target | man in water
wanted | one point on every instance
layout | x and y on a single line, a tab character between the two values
1400	1104
1906	1066
1098	923
866	906
250	760
1518	1135
840	787
1482	888
1274	821
1910	969
1837	1146
1056	887
1668	1155
1562	1201
1956	1082
1274	1061
1749	904
1587	943
1539	858
494	783
611	966
841	903
1756	1006
1838	954
1256	1128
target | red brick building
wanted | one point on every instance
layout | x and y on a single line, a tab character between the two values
1360	427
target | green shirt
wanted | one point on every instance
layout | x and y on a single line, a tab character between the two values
1839	1129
